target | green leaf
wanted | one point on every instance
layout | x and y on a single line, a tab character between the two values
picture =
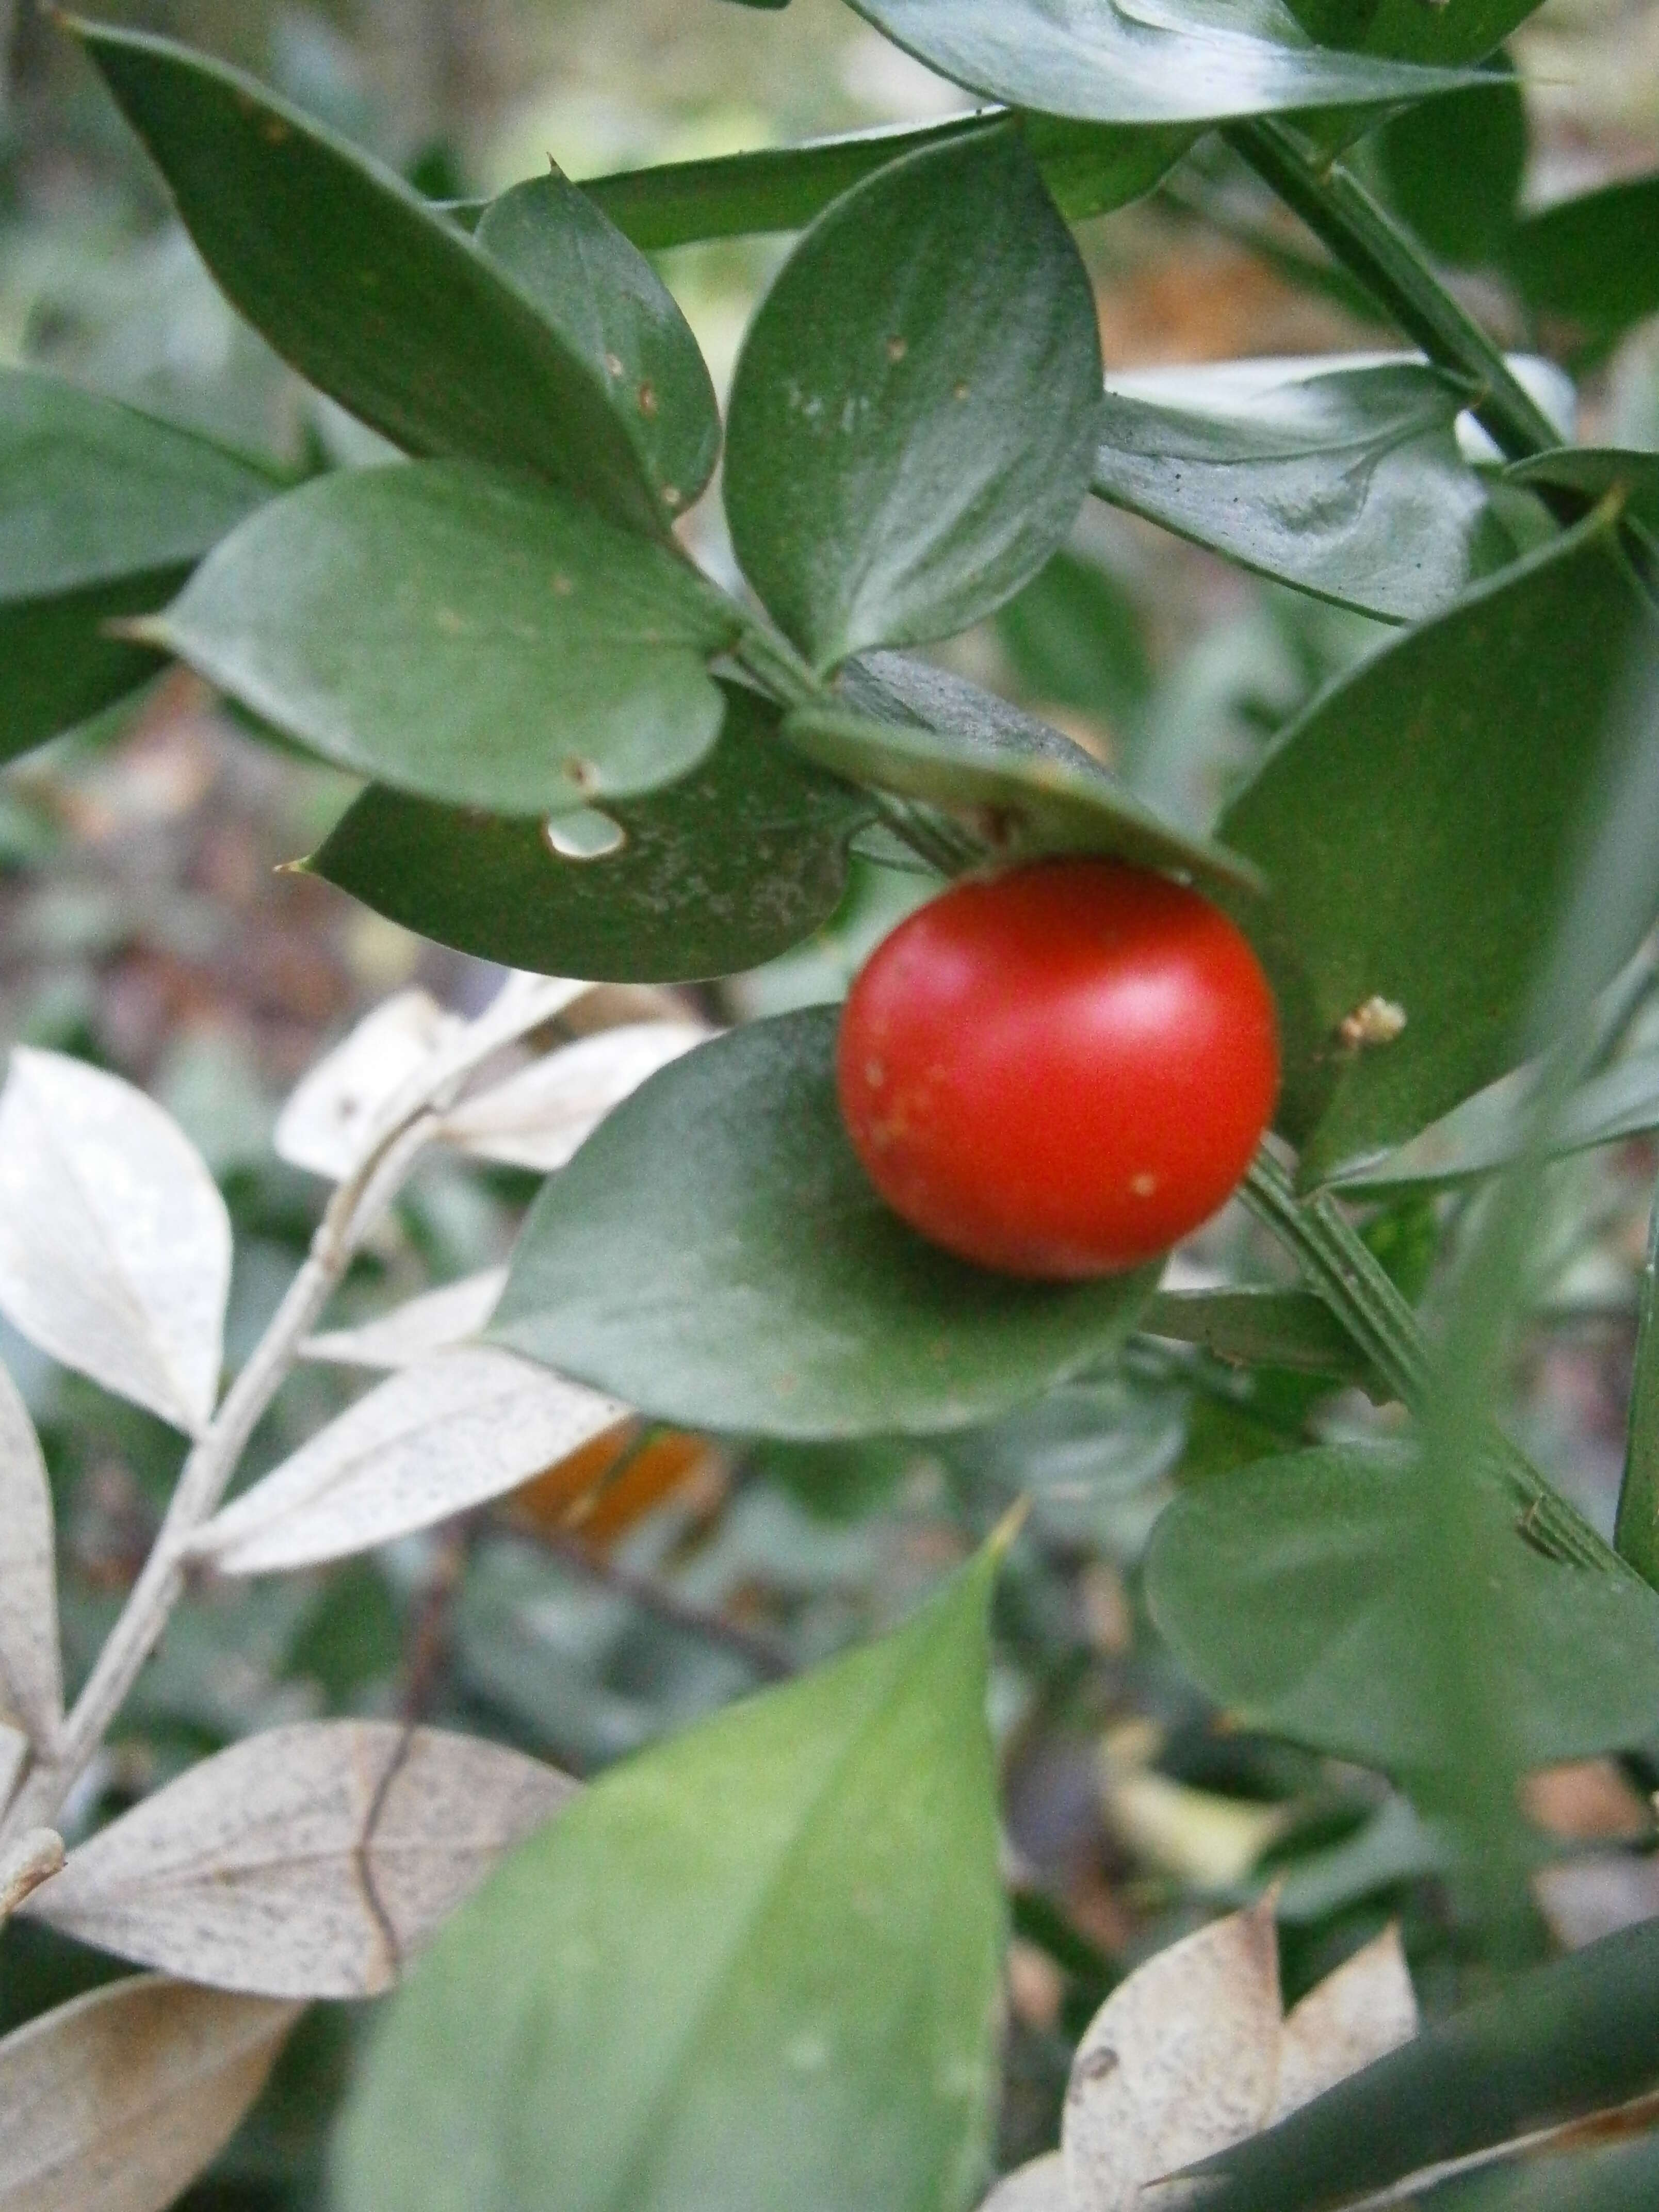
613	310
1260	1329
715	1256
1287	1591
93	492
103	512
756	1968
1405	30
60	669
359	286
1589	263
462	634
1024	796
1637	1533
1074	637
1569	2039
1453	168
1089	168
912	416
1430	800
937	736
1488	1131
1345	481
1595	472
1190	61
730	866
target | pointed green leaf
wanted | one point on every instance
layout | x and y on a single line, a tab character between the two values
1089	168
1488	1131
103	512
1405	30
1023	787
609	304
1567	2039
462	634
912	416
1595	472
726	868
1288	1592
358	285
1588	263
715	1255
93	492
1453	168
1344	480
756	1968
1259	1328
1184	61
1430	800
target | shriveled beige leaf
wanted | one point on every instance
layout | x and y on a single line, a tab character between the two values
333	1116
31	1676
305	1862
1179	2062
1038	2186
538	1118
36	1856
115	2103
1358	2014
433	1322
13	1752
458	1429
114	1242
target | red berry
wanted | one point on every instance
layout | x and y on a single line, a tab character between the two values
1061	1071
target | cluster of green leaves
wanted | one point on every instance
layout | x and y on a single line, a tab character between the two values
586	757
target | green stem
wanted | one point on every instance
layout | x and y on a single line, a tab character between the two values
1360	1293
1636	1532
1384	257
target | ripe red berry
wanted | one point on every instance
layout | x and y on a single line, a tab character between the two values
1061	1070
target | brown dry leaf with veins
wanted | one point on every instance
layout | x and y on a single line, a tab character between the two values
1193	2053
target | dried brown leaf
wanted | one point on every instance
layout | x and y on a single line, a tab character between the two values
114	1242
36	1856
452	1432
115	2103
433	1322
1361	2012
333	1116
1038	2186
1179	2062
538	1118
306	1862
31	1678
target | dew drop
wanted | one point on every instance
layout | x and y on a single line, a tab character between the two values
587	834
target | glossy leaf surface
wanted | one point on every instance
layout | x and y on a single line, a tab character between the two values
307	1862
1287	1591
912	414
715	1255
31	1671
364	289
116	2101
114	1242
756	1966
1089	168
1429	799
612	309
726	868
461	634
1345	481
931	735
1183	61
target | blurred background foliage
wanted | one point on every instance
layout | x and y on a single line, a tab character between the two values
147	927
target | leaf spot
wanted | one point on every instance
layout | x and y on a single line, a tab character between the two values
613	364
1375	1021
647	399
582	773
897	347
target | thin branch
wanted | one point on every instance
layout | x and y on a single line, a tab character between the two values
768	1658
